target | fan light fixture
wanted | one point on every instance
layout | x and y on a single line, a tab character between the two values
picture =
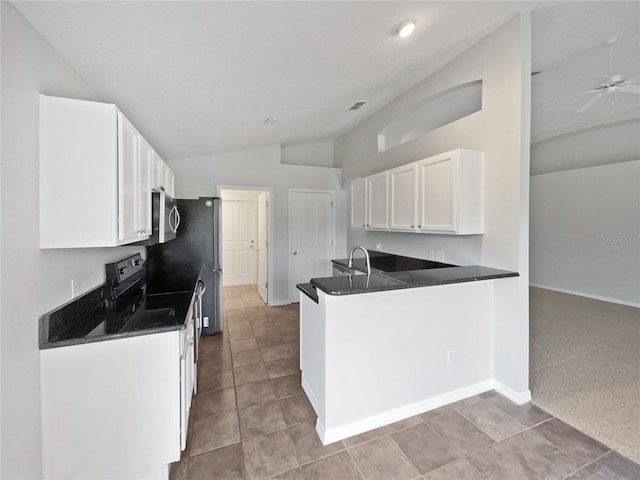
405	29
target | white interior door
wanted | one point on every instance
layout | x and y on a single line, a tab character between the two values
311	223
263	245
239	241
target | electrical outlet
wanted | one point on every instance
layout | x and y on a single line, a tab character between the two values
74	288
451	357
439	255
379	247
205	321
432	255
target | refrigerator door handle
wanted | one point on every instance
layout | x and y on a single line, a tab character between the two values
177	219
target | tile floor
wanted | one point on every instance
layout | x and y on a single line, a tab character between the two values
251	420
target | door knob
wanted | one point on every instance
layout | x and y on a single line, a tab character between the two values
295	253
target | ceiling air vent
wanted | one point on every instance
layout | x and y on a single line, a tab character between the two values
357	105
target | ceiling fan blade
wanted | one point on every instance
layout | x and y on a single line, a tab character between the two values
630	88
589	104
573	96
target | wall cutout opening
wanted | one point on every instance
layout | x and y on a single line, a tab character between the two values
434	112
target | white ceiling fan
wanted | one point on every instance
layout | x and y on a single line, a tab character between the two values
612	84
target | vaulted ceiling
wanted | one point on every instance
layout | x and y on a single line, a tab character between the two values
200	77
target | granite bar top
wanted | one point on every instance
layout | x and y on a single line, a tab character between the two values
91	318
377	282
309	290
388	262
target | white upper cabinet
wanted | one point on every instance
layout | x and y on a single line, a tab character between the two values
358	203
450	193
169	181
158	172
145	169
163	178
402	198
94	176
440	194
377	201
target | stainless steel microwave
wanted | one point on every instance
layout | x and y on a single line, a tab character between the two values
165	218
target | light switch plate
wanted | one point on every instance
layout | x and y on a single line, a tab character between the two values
439	255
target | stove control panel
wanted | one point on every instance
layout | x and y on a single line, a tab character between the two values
124	269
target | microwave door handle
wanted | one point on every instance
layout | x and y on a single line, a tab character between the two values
175	229
170	213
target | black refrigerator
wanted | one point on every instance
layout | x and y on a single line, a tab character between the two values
195	252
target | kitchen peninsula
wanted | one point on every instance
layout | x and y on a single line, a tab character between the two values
411	336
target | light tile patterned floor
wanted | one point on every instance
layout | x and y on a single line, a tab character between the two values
251	420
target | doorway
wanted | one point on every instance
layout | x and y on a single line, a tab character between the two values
245	235
311	236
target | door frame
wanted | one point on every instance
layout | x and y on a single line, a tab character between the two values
269	191
333	229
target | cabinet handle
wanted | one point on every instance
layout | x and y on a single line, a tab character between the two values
295	253
419	226
412	226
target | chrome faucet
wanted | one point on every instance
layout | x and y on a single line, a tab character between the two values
366	257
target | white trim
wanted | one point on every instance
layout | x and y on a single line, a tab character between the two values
311	395
279	303
517	397
269	190
587	295
333	231
335	434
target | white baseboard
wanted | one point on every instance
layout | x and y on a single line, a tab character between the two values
331	435
311	394
279	303
517	397
587	295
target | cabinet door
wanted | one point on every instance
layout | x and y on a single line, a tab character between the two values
377	206
169	181
437	194
158	172
403	188
128	158
144	188
358	203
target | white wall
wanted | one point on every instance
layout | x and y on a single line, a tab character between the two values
585	231
33	280
261	167
501	130
318	154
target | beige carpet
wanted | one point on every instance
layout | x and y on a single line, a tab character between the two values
585	366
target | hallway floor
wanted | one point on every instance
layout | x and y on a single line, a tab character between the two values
251	420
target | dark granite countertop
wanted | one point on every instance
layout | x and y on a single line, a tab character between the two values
91	319
389	273
388	262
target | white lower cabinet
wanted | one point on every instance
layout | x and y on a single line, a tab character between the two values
116	409
187	379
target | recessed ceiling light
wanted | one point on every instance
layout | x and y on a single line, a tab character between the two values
405	29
